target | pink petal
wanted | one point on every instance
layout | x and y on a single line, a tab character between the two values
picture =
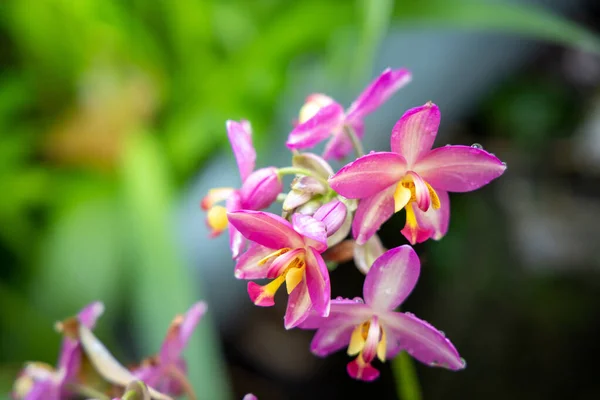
259	296
298	307
422	196
331	338
261	188
378	92
247	266
317	281
236	239
369	351
415	131
313	230
90	314
266	229
340	145
280	263
459	168
332	215
362	371
250	396
371	213
240	137
421	340
432	224
317	128
391	278
369	175
180	332
342	311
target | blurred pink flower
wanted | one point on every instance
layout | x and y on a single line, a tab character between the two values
321	117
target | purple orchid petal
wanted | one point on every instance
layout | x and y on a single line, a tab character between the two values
360	370
391	278
422	341
90	314
343	311
369	350
414	133
340	145
298	307
313	230
331	337
317	281
342	232
371	213
312	162
422	196
240	137
260	189
236	239
365	254
459	168
266	229
248	267
250	396
369	175
280	263
317	128
180	332
333	215
378	92
432	224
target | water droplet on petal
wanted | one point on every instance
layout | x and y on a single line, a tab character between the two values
464	362
388	291
476	146
443	333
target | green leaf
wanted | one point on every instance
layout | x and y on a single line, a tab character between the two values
161	285
522	19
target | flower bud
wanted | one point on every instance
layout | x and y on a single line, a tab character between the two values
332	215
308	184
312	162
366	254
261	189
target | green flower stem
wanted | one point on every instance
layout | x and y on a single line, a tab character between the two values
356	144
302	171
405	376
88	392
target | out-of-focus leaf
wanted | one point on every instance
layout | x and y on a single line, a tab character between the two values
80	257
160	283
376	18
522	19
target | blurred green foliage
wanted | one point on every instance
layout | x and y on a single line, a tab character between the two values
108	107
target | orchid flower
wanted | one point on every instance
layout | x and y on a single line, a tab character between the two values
321	117
41	381
166	372
413	177
371	328
285	252
259	188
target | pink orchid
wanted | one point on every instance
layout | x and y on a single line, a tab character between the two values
167	371
321	117
41	381
285	252
259	188
372	328
414	177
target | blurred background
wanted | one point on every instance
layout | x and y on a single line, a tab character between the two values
112	129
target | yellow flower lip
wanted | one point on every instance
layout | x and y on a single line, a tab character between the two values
217	218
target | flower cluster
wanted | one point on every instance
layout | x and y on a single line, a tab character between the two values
87	368
322	207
